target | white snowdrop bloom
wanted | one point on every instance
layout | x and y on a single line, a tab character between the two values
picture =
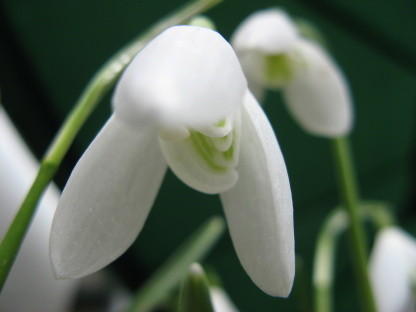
31	285
262	42
317	94
392	268
273	55
221	302
183	102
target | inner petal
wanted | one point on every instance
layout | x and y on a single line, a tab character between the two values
205	163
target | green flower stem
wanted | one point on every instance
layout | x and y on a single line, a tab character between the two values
170	274
379	213
334	225
14	236
323	271
93	93
349	194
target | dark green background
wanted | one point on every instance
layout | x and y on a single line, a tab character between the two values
50	49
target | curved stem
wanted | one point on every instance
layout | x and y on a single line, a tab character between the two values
93	93
349	195
334	225
323	270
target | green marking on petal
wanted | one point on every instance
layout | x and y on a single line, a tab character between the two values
221	123
215	159
205	150
277	69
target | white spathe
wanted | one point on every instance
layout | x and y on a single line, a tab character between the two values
392	268
231	150
31	285
314	89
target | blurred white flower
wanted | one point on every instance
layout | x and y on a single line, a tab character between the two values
273	55
182	102
31	285
221	302
392	268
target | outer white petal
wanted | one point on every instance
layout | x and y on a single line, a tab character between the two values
392	266
317	96
269	31
187	76
31	285
259	208
106	200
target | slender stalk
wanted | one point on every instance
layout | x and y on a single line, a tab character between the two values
334	225
349	195
93	93
324	261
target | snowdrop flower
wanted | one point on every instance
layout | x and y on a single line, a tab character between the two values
392	270
183	102
262	43
221	301
31	285
314	88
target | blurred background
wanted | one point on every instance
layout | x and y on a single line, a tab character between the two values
50	49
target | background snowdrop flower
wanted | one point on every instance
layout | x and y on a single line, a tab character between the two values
262	42
31	285
182	102
221	301
314	88
392	269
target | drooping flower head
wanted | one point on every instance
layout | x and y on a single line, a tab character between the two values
392	268
314	89
182	102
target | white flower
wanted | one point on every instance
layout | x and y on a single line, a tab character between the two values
182	102
314	89
221	302
392	270
31	285
262	42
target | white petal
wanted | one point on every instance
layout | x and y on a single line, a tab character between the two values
269	31
200	161
106	200
317	95
392	266
187	76
259	208
172	133
30	285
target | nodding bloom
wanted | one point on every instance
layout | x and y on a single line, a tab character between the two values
275	56
392	268
182	103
